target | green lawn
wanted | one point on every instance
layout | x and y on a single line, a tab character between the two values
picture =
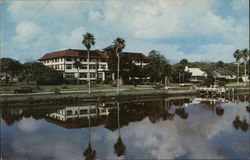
236	85
48	88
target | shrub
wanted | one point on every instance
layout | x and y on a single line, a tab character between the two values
208	81
64	86
57	90
221	83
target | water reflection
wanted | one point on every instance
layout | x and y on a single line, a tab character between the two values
119	147
89	153
154	129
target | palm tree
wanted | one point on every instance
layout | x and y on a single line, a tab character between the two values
77	65
119	147
237	56
119	45
88	41
245	56
89	153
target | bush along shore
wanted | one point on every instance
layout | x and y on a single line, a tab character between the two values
60	99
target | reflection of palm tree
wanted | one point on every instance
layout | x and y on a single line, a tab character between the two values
181	112
248	108
219	111
237	122
168	116
240	124
244	125
89	153
119	147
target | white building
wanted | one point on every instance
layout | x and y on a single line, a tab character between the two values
224	74
64	60
196	74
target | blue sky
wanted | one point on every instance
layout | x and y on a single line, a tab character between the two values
198	30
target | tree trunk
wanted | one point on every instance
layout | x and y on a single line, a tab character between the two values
118	117
88	72
78	76
245	65
118	73
238	70
179	77
165	80
183	77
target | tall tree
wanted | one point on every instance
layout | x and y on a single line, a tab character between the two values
237	57
184	62
219	65
41	74
245	56
77	65
119	45
11	67
88	41
158	66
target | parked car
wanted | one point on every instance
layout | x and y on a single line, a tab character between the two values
23	90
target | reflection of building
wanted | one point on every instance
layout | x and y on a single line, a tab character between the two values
197	75
70	113
208	100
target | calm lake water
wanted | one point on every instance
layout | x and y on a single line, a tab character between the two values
156	129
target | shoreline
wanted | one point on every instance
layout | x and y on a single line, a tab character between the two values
59	99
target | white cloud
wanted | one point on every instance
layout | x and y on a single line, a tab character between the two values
240	5
29	125
26	32
73	39
60	25
94	15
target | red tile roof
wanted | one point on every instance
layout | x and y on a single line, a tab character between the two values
132	55
135	55
74	53
83	53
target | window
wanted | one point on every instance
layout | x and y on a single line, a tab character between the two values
92	66
83	59
84	66
69	75
92	60
75	112
69	112
83	111
103	60
103	66
68	66
83	75
69	59
99	75
92	111
92	75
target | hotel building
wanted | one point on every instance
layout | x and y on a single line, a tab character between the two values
98	63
